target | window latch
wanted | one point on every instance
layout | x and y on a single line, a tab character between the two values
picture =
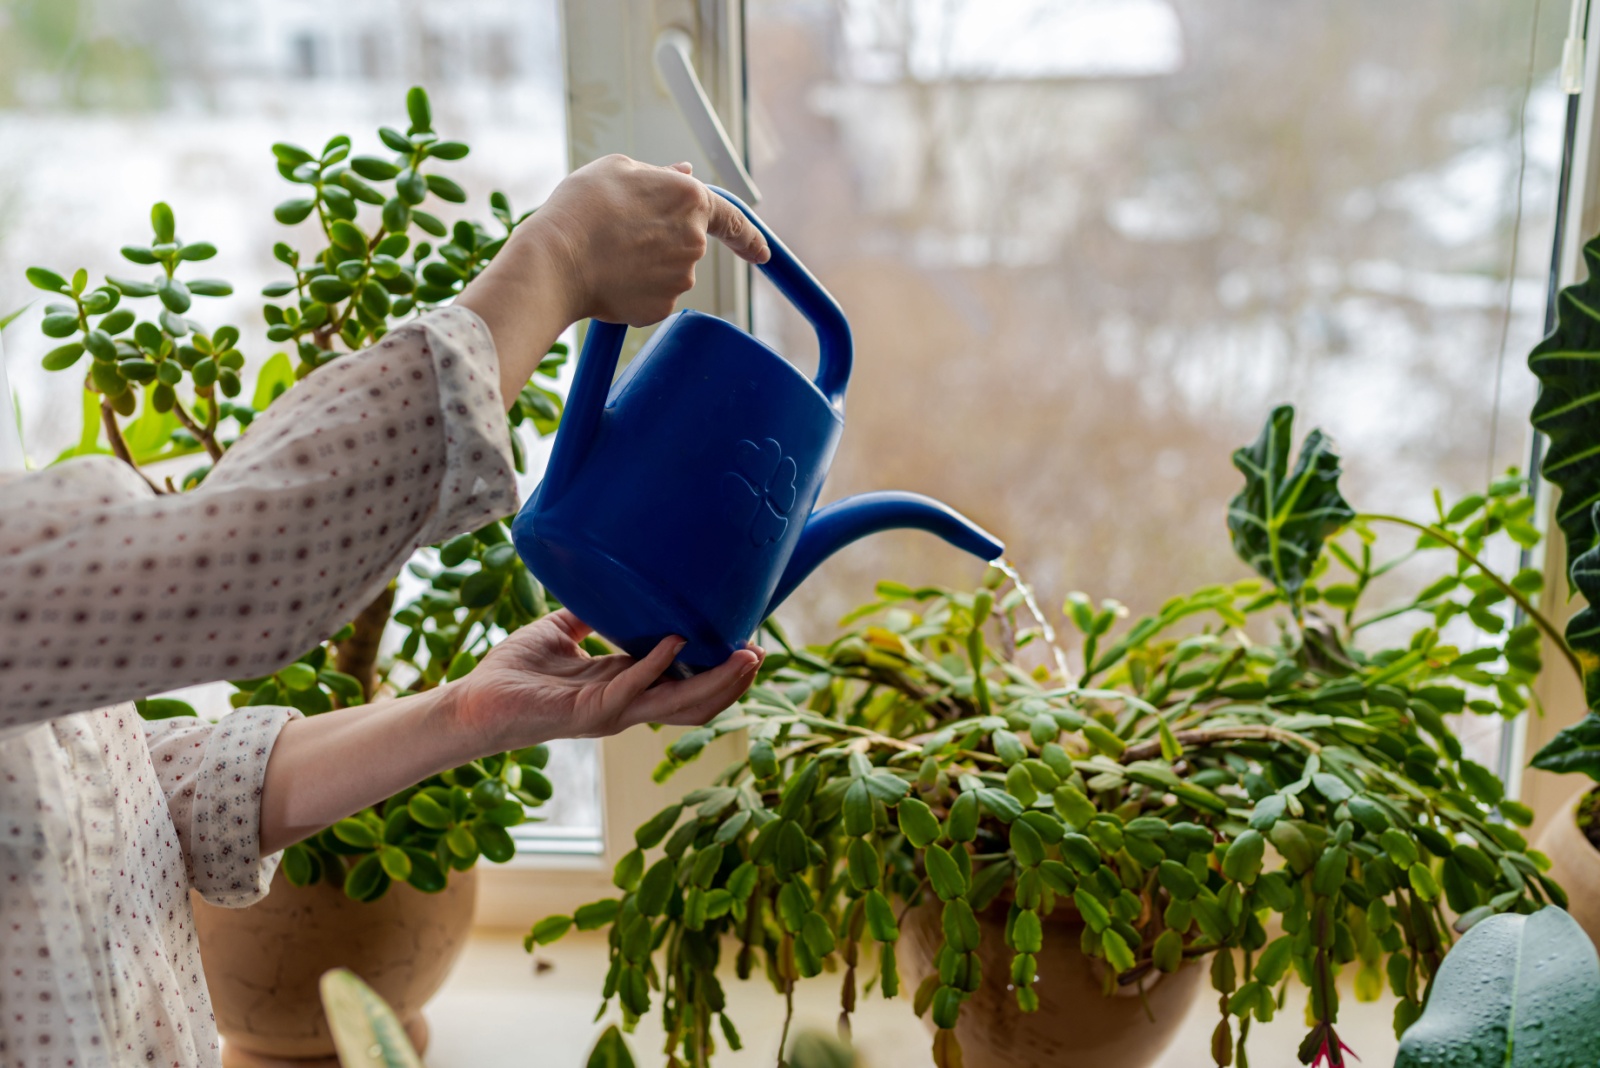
676	67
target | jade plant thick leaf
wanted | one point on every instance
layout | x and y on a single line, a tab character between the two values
1281	517
1516	992
1567	364
1244	780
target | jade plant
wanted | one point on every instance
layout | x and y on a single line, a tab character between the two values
1248	780
161	384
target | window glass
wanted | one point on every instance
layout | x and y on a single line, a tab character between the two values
1086	245
109	106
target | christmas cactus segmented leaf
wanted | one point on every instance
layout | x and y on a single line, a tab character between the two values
1516	990
1281	518
366	1032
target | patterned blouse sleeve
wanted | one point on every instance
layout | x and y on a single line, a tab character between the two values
211	775
113	597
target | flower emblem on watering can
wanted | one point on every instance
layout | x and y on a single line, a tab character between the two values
760	489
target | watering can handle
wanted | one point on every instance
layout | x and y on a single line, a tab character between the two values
802	289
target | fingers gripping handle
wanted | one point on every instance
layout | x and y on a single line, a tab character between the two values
802	289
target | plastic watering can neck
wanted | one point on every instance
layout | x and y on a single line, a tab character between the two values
801	288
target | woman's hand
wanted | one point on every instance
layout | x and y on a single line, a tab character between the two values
540	684
629	235
618	240
536	685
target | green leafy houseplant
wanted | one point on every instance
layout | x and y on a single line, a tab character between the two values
918	757
160	385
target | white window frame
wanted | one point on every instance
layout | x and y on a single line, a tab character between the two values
1560	695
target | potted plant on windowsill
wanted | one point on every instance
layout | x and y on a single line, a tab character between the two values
388	892
1232	786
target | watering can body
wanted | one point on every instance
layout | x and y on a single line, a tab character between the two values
680	499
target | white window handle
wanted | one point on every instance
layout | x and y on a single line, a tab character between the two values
676	68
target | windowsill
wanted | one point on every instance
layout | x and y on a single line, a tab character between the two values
496	1008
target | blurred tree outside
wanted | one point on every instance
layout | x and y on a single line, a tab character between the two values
1085	254
1085	245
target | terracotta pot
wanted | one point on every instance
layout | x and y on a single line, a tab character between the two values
262	963
1076	1023
1575	865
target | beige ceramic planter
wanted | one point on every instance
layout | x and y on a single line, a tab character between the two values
262	963
1076	1023
1575	865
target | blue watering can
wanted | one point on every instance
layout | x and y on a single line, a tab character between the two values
681	503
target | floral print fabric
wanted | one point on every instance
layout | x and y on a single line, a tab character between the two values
110	592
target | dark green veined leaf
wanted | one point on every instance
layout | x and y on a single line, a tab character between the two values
1281	518
1577	748
1567	364
1515	990
1569	404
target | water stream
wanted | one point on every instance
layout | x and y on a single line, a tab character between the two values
1006	568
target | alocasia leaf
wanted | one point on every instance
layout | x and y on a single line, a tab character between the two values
1567	364
1281	518
1575	749
1516	991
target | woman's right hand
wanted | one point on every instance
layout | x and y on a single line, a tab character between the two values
618	240
627	235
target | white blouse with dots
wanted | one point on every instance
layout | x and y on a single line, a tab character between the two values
109	592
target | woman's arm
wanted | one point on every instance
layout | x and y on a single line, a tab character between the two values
536	685
618	240
109	592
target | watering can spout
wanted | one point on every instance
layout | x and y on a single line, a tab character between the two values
832	528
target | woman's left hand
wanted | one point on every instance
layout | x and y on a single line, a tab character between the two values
539	684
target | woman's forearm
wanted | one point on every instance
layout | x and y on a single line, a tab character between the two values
323	768
524	298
